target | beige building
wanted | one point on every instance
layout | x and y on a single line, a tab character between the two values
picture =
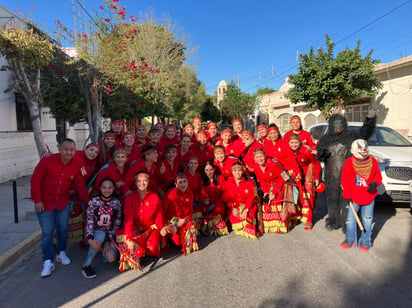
221	93
393	102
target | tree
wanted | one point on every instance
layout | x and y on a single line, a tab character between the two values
236	103
210	112
328	83
187	96
26	52
263	91
60	89
129	67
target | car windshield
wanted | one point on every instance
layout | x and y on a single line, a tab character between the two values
385	136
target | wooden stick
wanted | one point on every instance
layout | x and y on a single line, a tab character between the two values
356	217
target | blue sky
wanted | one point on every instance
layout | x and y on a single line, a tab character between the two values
259	40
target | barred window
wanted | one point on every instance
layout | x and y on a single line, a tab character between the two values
22	114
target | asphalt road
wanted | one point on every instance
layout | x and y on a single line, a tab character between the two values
298	269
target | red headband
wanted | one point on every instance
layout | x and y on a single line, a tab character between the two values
227	130
247	132
93	145
170	126
202	133
273	128
128	134
188	125
197	118
110	134
236	120
117	121
295	117
211	125
181	176
261	126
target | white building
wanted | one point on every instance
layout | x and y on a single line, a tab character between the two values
18	153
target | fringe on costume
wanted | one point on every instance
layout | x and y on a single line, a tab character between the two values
245	228
190	241
129	259
217	226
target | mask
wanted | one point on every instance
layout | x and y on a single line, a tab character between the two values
360	149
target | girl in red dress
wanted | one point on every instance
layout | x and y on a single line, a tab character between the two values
141	136
194	179
143	225
212	132
272	178
178	209
226	139
184	152
239	195
212	194
168	169
107	148
88	166
310	170
305	137
116	170
223	162
148	164
133	151
202	150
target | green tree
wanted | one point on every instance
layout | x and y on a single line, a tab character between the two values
236	103
27	51
210	112
60	89
328	83
262	91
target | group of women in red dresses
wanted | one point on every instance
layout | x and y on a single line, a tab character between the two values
174	186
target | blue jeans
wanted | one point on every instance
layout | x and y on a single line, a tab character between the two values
50	221
101	237
366	219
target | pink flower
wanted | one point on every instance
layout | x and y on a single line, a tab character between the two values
101	7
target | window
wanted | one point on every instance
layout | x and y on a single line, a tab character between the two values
284	122
356	113
22	114
310	120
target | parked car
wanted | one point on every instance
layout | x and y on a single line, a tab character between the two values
394	155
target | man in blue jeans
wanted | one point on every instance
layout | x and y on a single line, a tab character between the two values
50	183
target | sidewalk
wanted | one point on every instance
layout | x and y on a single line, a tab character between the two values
17	238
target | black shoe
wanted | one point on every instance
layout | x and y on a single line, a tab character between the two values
88	272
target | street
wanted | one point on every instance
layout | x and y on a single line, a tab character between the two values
298	269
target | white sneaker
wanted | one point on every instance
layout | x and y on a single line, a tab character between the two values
63	258
48	268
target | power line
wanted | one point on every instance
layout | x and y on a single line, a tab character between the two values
338	42
89	15
374	21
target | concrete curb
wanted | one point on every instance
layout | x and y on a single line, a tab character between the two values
12	255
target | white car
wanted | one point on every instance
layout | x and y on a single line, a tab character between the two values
394	155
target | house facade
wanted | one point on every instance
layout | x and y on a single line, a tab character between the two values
18	153
393	103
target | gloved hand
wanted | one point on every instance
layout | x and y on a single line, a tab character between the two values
372	187
371	113
323	154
